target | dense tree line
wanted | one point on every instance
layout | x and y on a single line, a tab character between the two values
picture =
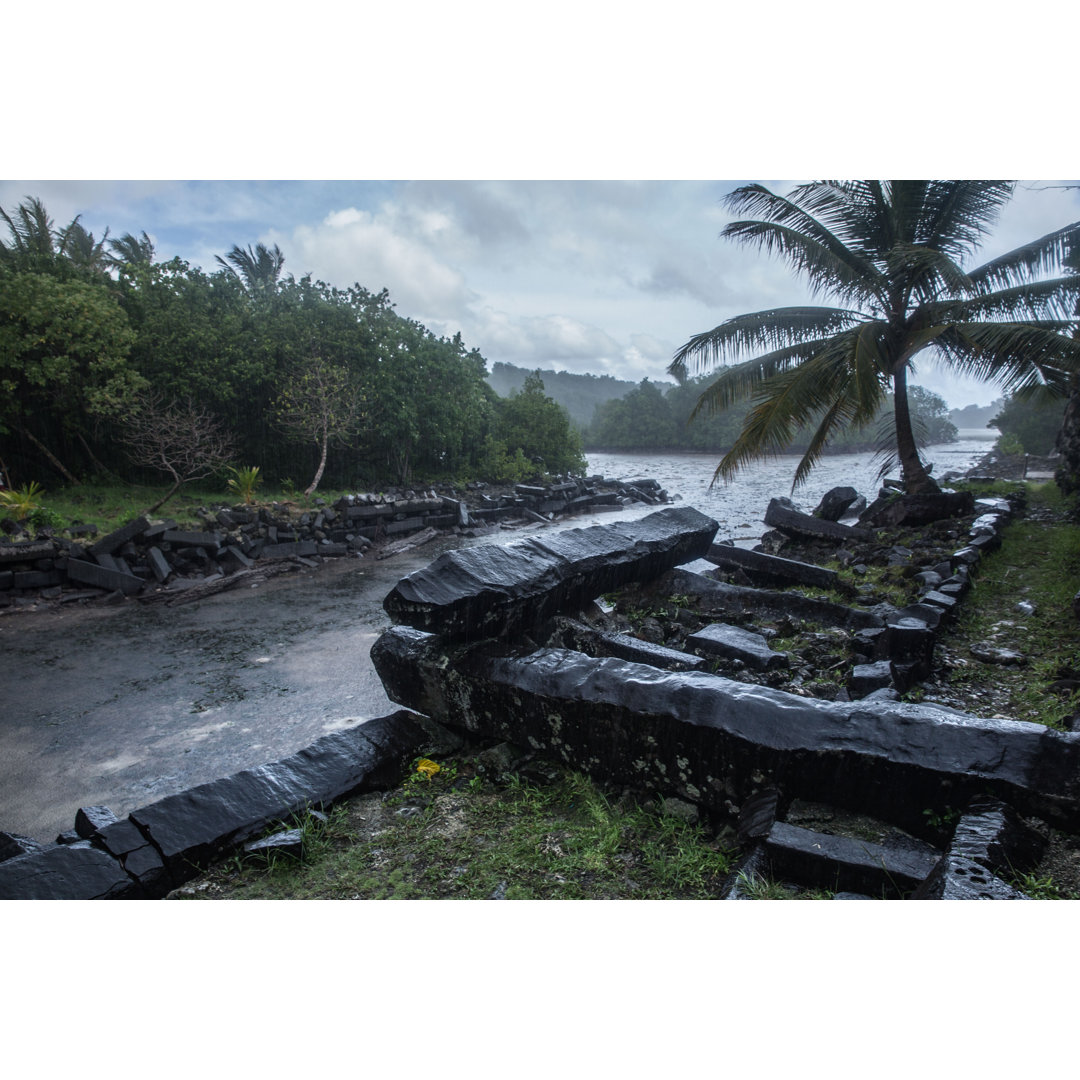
101	345
647	418
579	393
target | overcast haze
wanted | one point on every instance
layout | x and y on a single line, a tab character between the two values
593	276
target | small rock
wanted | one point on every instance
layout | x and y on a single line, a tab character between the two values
990	655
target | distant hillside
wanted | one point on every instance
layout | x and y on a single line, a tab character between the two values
578	394
976	416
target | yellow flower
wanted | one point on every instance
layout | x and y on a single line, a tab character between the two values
427	767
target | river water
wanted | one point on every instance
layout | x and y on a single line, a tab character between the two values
740	506
120	706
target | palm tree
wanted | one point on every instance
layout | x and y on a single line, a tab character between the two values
258	270
33	240
131	251
891	252
81	247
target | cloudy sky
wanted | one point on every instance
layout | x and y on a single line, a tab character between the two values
608	277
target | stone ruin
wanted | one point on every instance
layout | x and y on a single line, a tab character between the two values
496	643
157	561
864	795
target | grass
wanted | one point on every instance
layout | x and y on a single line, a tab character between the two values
462	835
1038	562
108	506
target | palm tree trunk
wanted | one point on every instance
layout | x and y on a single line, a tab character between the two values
913	473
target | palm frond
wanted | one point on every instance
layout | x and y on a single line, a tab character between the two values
1020	265
924	272
743	380
827	268
958	214
1012	355
842	382
1053	299
775	329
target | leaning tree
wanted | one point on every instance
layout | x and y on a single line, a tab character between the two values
891	253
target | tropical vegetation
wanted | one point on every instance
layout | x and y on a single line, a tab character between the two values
650	418
892	254
117	365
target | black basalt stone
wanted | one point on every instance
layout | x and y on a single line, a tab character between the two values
713	740
491	591
719	596
835	502
833	862
735	643
760	567
957	878
74	872
194	827
993	835
89	819
12	845
794	523
921	509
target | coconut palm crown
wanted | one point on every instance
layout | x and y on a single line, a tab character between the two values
891	252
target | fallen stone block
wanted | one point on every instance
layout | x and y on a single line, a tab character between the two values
37	579
89	574
12	845
194	827
573	635
866	678
159	564
716	741
108	544
490	591
719	596
302	548
289	842
27	551
757	815
88	819
957	878
180	538
71	872
139	858
735	643
794	523
921	509
835	502
825	861
771	568
993	835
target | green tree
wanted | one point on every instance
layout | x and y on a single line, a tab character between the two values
641	419
530	421
1031	421
321	404
64	348
892	252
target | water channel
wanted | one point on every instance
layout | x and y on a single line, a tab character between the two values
120	706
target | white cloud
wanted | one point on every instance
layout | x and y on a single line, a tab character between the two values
352	245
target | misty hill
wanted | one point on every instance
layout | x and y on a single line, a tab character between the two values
976	416
578	394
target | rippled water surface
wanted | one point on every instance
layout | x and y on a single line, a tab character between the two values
740	506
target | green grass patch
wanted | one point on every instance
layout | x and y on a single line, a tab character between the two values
460	835
108	506
1038	563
